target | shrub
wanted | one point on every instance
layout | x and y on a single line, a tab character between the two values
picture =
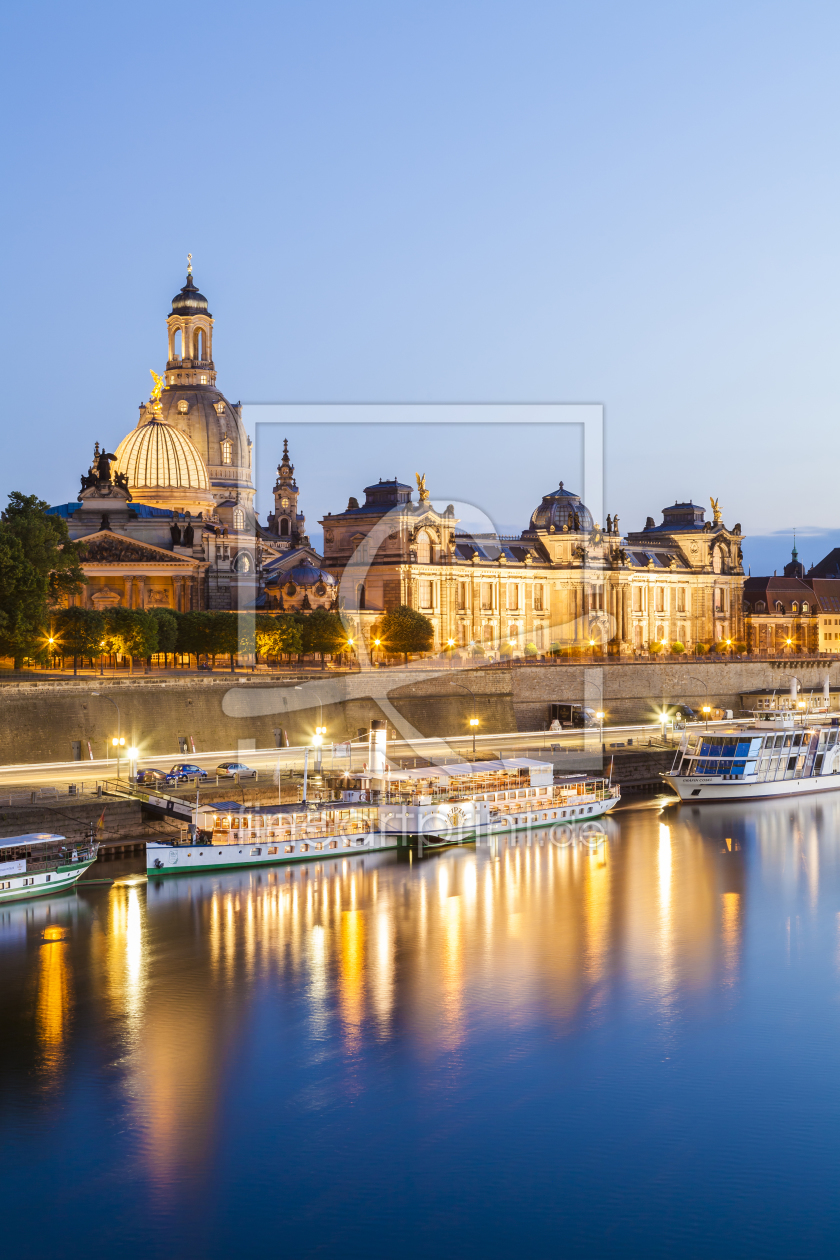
655	649
739	647
700	649
531	649
678	648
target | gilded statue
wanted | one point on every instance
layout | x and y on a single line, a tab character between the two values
154	397
718	515
421	487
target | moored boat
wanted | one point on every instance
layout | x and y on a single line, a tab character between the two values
780	753
432	805
41	863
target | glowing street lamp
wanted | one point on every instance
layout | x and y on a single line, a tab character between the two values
707	710
599	715
473	724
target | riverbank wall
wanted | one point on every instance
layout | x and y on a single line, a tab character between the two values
58	720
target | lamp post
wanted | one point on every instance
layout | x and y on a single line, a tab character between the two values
119	741
706	708
376	643
600	716
320	732
474	718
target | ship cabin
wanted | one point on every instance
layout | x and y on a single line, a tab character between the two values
288	828
783	752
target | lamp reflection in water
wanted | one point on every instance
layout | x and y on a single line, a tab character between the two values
53	999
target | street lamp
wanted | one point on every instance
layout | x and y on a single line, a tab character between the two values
599	715
474	718
377	643
119	742
318	740
707	710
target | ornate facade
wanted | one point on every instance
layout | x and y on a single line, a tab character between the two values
564	582
171	524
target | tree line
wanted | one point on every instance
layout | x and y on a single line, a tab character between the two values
41	574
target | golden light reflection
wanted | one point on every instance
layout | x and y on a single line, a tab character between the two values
730	932
351	988
53	1000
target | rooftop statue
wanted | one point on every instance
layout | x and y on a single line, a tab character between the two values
718	515
154	397
421	487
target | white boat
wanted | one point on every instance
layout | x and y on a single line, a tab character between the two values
430	806
40	864
778	753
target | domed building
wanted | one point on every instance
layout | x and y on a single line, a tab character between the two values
301	587
168	517
190	401
163	469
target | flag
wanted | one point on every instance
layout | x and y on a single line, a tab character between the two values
100	826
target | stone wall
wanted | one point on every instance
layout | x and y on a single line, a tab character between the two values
42	721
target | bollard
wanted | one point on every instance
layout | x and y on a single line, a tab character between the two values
71	790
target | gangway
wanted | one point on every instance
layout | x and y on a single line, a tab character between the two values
161	804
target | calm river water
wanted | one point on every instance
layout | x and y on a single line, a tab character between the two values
620	1052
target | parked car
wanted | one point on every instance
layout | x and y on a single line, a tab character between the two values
182	771
228	769
683	713
151	777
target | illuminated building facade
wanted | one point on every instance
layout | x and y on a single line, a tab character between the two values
564	582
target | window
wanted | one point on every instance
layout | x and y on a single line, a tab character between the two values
360	596
238	518
720	599
461	597
680	599
538	597
760	606
513	596
176	344
780	608
203	380
660	599
424	548
804	608
227	451
199	343
538	635
794	607
183	406
284	528
425	594
637	599
487	596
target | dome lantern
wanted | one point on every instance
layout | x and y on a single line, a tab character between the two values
561	511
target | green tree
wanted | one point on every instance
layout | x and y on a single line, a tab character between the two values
167	627
405	630
322	632
277	635
131	632
39	566
677	648
78	631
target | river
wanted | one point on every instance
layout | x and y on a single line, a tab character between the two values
627	1050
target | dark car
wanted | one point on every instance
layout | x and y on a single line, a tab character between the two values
228	769
183	770
684	713
151	778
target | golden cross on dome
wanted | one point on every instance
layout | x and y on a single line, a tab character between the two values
189	264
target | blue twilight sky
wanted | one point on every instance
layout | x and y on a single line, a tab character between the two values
500	200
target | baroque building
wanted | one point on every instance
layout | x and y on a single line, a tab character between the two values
564	582
796	612
168	517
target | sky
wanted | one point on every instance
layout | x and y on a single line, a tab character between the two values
493	201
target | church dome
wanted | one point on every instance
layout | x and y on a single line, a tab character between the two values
164	469
189	301
158	455
559	509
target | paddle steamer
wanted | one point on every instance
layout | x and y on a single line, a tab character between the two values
432	805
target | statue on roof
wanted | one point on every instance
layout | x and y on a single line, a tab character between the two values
154	397
718	515
421	487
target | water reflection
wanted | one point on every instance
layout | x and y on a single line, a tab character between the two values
207	983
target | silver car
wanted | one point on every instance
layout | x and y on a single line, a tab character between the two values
229	769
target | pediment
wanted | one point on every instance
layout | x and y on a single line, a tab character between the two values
106	547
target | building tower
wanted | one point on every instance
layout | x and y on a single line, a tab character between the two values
285	521
190	402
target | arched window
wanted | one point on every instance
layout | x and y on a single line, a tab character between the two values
238	518
284	528
227	451
794	607
199	343
760	606
176	344
805	608
779	606
360	597
424	548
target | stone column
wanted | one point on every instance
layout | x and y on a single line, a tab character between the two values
129	592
